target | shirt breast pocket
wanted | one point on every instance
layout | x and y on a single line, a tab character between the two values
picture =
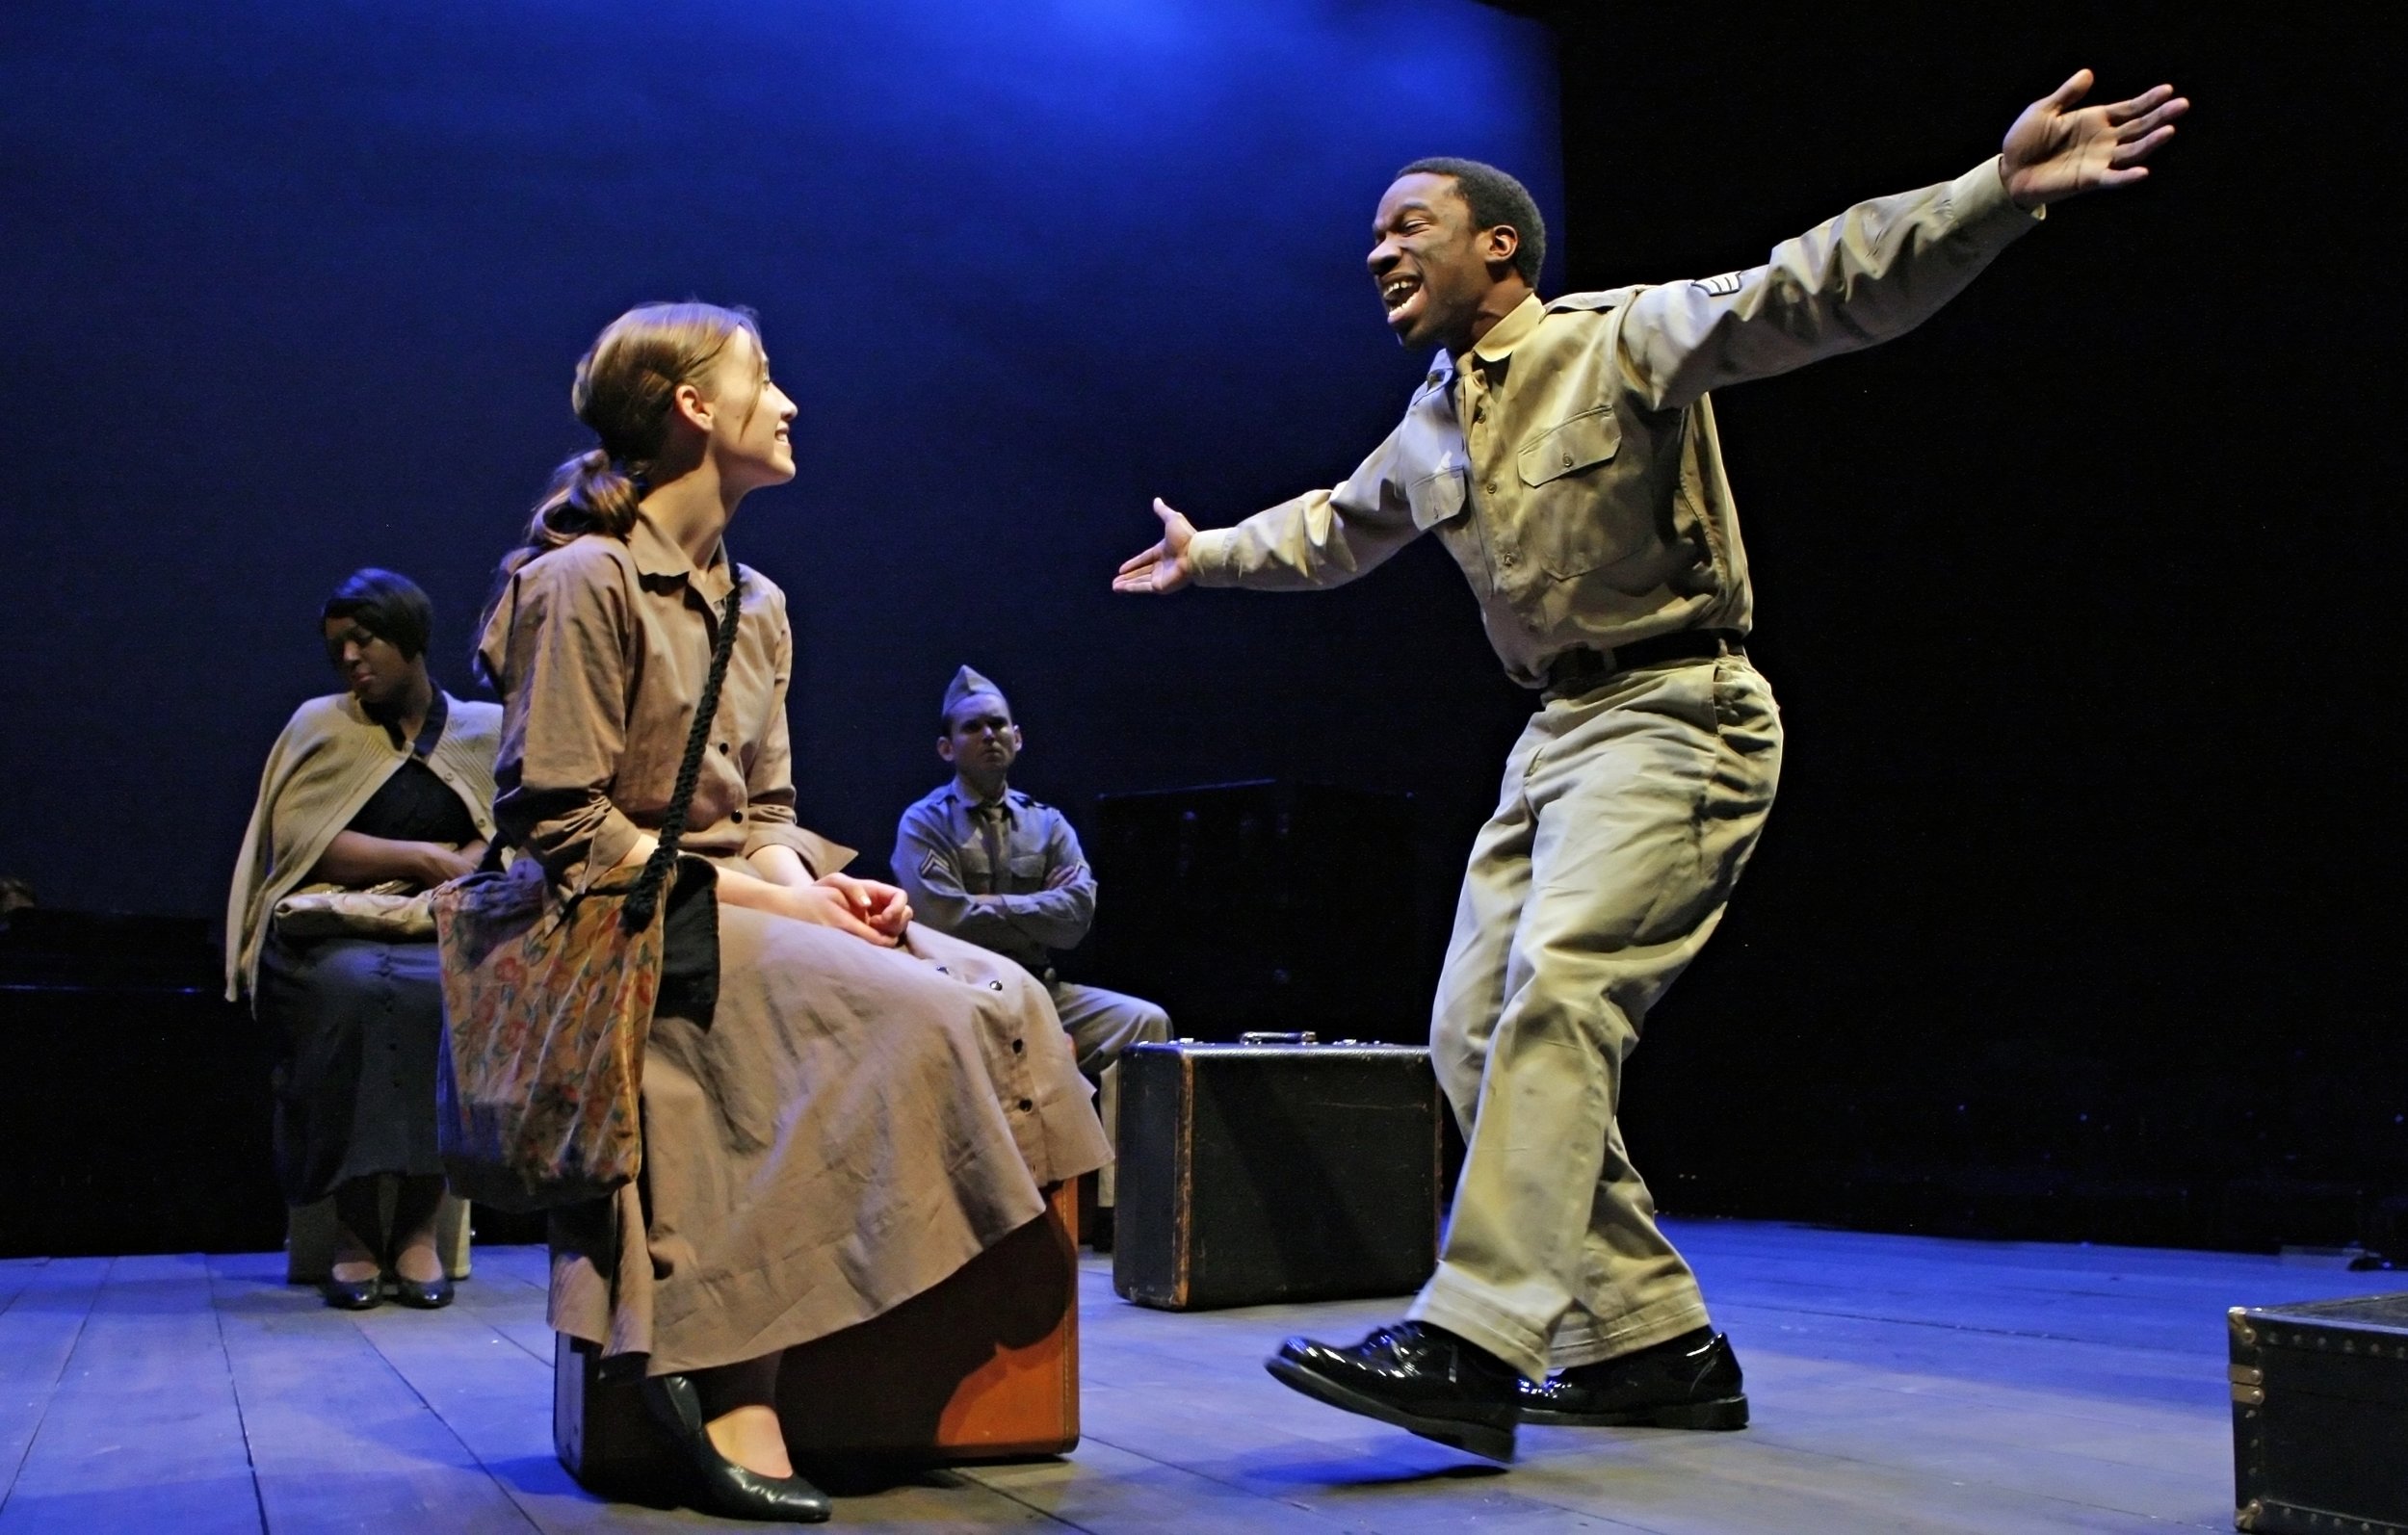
1573	524
1436	498
1027	873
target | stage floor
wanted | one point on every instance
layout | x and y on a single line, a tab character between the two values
1898	1384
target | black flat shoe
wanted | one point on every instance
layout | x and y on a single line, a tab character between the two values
728	1488
1692	1381
353	1294
427	1295
1421	1378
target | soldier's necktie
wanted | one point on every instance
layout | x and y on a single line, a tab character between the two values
990	820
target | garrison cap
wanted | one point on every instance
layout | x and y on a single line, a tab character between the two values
968	683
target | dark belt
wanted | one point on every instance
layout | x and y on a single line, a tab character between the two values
1585	668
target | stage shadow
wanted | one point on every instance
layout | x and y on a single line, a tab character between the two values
869	1477
279	1300
1362	1470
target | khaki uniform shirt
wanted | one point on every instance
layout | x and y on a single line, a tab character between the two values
1569	461
600	649
942	861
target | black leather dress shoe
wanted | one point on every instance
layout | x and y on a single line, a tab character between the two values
1692	1381
353	1294
1416	1376
727	1489
427	1295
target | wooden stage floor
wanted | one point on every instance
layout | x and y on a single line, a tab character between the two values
1898	1384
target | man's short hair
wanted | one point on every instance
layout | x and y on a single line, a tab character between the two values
388	606
1495	198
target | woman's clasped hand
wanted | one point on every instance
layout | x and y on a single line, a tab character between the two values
865	908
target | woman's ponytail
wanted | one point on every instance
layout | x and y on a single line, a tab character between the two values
593	493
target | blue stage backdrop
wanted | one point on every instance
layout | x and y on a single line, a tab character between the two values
294	289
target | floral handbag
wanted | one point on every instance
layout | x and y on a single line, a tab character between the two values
548	1000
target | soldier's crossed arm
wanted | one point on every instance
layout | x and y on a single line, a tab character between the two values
925	867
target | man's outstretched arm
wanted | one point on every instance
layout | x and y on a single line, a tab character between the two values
1323	538
1884	267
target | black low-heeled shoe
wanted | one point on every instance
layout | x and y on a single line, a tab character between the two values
353	1294
727	1488
426	1295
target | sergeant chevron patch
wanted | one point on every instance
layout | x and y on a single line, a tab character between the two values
1722	287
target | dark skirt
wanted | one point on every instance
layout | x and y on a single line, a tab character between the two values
355	1025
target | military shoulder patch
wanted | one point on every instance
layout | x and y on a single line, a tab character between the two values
932	865
1722	287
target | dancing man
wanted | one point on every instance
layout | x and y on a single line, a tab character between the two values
1566	453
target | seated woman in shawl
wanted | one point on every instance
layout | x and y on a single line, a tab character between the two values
848	1108
386	786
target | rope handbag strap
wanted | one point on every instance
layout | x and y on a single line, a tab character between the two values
646	897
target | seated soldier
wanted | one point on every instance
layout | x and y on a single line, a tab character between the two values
985	863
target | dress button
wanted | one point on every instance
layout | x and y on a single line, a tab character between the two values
1490	488
994	986
1019	1045
723	745
1567	463
1508	557
1026	1104
735	816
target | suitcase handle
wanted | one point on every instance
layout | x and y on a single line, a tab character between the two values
1301	1036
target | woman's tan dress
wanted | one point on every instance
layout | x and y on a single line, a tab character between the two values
848	1124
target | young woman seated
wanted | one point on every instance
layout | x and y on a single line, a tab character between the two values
840	1108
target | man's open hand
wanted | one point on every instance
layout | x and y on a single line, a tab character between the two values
1164	568
2055	151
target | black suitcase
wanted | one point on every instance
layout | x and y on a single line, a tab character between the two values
1287	1171
2319	1415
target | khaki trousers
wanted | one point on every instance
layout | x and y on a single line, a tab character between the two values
1626	817
1102	1024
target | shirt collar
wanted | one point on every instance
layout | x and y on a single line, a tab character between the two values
429	732
439	714
1508	333
657	555
972	804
